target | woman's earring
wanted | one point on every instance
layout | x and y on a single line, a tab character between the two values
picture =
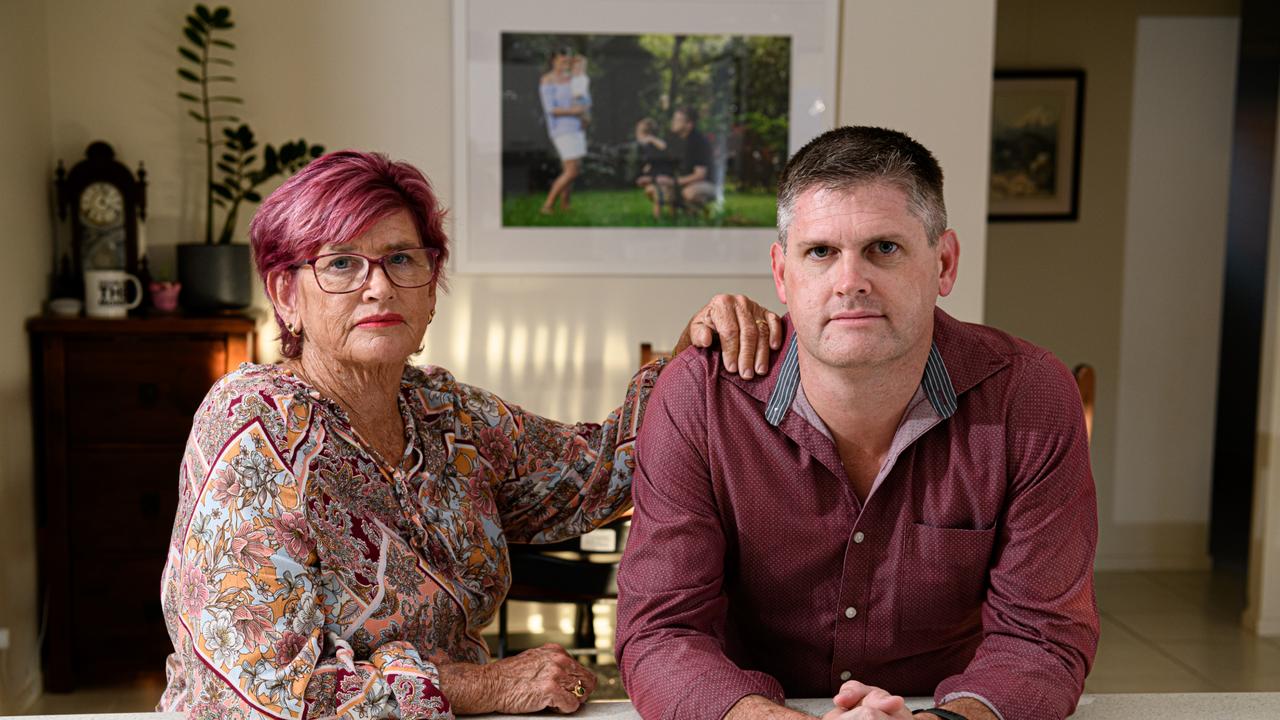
431	316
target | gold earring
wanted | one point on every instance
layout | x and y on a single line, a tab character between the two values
431	316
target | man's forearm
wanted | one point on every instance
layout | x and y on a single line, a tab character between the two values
759	707
970	708
699	173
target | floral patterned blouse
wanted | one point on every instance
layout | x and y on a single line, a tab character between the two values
308	578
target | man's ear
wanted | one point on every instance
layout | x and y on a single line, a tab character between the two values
948	262
777	263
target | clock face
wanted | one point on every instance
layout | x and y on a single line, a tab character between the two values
101	205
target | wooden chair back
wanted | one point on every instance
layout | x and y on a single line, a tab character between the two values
1087	382
648	354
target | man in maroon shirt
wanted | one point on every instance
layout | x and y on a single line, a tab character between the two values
902	505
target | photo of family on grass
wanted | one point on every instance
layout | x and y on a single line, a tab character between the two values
643	130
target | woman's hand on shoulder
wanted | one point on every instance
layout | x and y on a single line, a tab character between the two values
538	679
746	329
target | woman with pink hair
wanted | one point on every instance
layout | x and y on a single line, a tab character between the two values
342	529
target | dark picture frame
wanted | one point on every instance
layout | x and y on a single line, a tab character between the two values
1037	118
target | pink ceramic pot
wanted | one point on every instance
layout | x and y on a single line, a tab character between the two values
164	295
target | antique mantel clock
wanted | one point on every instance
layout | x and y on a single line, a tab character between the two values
106	203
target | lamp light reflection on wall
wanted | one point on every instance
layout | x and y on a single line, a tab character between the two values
460	342
494	346
519	350
541	342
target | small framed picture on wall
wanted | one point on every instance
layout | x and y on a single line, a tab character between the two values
1036	119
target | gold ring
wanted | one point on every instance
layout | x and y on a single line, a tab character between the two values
762	323
579	691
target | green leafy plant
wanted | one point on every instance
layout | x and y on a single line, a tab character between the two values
234	178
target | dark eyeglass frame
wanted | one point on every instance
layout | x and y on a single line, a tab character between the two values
432	253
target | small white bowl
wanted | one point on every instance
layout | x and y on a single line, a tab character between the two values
65	307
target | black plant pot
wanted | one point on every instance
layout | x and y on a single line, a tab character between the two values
214	277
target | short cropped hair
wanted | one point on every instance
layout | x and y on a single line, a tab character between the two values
852	156
690	113
334	199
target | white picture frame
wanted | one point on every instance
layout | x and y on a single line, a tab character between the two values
484	246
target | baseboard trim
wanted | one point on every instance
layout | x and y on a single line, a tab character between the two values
1263	626
28	696
1143	561
1153	546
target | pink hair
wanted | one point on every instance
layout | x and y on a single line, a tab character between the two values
333	200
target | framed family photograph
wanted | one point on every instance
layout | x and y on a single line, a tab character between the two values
634	137
1036	119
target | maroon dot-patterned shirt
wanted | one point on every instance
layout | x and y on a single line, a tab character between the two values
752	568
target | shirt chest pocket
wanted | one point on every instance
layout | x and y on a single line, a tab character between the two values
943	576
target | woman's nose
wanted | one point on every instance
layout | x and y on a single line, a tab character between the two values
379	283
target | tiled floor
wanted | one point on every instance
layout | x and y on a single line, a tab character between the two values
1161	632
1178	632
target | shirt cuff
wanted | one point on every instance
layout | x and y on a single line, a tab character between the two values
1009	695
413	682
715	693
397	655
953	696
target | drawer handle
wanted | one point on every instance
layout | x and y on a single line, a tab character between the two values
148	394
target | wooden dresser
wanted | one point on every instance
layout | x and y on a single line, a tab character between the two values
112	403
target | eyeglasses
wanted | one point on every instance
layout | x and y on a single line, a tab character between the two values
339	273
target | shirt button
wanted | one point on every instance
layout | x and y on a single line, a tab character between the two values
850	613
846	675
858	537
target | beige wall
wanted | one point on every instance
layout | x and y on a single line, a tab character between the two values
25	211
925	68
386	70
1061	284
378	76
1171	308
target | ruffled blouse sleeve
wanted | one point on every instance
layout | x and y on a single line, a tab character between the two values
560	480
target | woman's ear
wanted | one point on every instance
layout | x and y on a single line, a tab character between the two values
283	292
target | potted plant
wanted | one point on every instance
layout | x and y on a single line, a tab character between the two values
215	274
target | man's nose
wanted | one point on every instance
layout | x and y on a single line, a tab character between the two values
851	276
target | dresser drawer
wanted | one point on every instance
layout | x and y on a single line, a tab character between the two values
112	405
123	500
125	589
117	615
138	388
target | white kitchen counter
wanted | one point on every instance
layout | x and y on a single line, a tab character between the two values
1237	706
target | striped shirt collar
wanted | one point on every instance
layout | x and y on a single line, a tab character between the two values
936	383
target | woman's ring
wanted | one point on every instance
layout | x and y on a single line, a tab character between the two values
579	691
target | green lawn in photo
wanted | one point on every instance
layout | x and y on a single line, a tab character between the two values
630	208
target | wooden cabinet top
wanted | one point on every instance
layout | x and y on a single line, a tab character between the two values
167	324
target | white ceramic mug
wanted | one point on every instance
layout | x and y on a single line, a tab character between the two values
106	293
